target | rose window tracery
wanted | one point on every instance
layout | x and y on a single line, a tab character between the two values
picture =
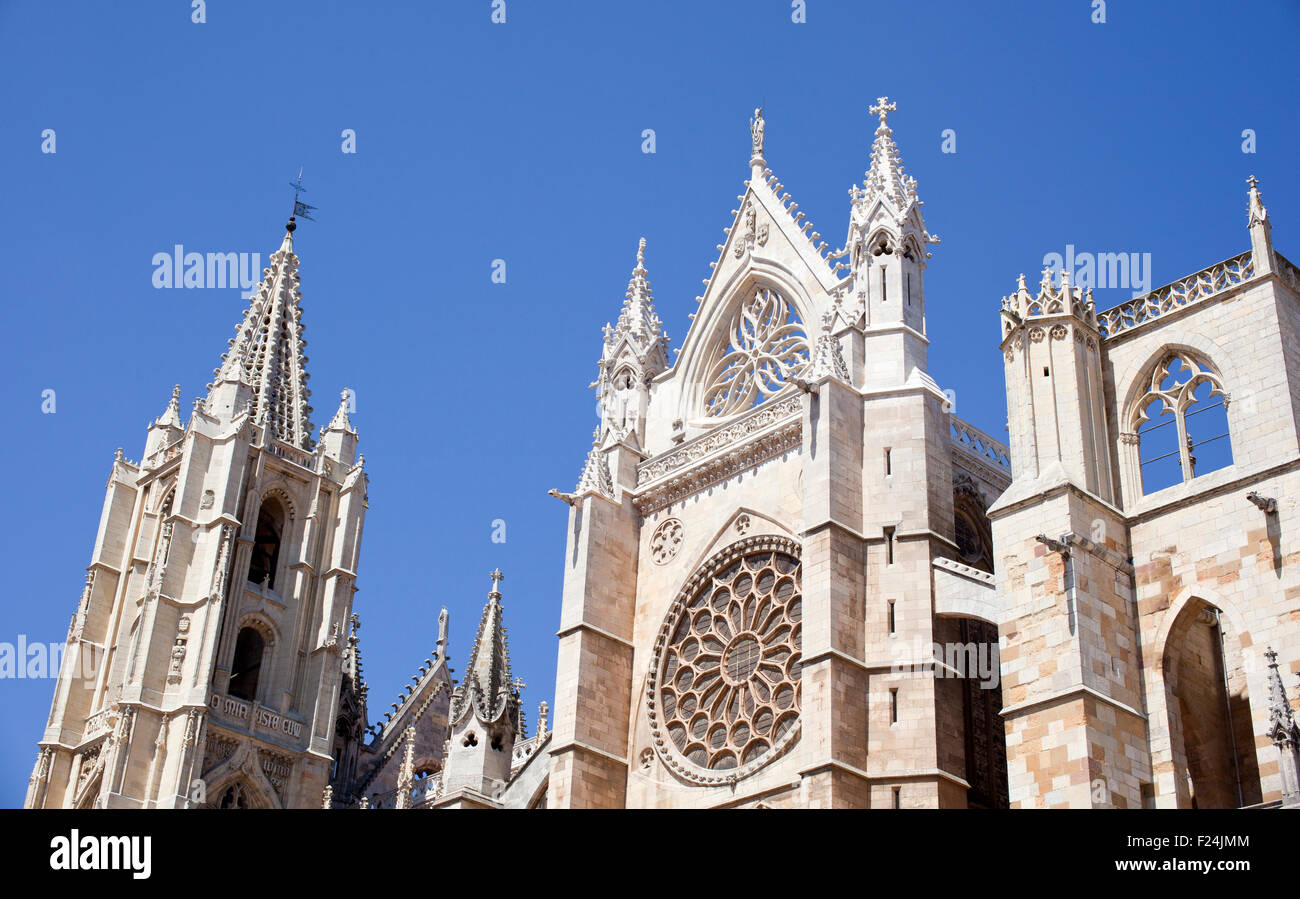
665	541
724	689
768	349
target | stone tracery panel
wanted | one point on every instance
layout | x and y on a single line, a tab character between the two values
768	349
724	687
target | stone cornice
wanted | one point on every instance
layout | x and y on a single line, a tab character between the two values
1059	695
585	747
909	774
710	458
832	653
584	626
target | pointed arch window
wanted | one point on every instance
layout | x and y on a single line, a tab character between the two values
233	797
1181	423
246	669
767	349
266	544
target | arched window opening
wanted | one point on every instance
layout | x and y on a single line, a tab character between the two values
767	349
247	666
266	544
982	726
973	536
1211	729
1181	424
233	797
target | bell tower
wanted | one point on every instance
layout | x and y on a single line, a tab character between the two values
206	654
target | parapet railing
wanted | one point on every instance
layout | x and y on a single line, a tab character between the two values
976	442
1163	300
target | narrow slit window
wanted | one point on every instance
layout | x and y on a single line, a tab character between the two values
893	706
892	620
889	469
889	545
898	797
884	291
909	288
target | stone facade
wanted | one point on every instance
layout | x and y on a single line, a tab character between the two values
759	533
792	576
1131	624
1135	618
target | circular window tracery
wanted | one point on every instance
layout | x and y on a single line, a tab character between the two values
724	686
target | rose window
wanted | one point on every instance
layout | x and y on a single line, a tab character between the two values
768	350
724	688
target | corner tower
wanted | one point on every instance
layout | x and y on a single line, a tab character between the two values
886	248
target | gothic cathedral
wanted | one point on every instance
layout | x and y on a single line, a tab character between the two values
793	576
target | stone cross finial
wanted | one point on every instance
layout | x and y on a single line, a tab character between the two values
640	254
518	684
882	108
1253	182
497	578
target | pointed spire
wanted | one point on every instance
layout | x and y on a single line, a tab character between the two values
488	689
266	353
1261	231
352	659
885	174
1281	720
171	417
827	357
595	471
1258	213
442	633
885	180
634	350
638	320
340	421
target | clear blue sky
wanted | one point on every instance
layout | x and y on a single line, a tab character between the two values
523	142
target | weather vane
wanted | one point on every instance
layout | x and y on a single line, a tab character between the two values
301	209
